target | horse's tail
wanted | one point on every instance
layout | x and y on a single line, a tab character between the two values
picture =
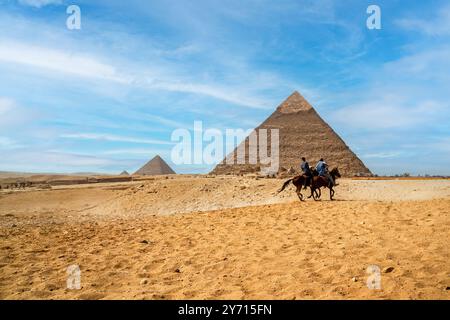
285	185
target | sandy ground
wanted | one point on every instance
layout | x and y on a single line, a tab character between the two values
196	237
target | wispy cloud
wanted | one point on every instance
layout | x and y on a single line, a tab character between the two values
39	3
5	106
382	155
388	111
427	64
14	116
57	60
50	161
84	65
164	121
139	152
113	138
439	25
8	143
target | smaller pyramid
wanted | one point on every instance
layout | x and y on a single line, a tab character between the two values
124	173
156	166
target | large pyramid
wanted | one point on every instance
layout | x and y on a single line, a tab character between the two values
156	166
302	132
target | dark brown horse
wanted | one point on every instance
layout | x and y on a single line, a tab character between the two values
320	181
299	182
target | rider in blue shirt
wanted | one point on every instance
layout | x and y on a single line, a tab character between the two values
322	169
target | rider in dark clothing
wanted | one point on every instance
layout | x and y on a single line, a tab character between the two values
306	171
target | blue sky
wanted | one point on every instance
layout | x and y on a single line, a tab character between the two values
107	97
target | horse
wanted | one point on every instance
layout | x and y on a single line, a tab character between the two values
320	181
299	182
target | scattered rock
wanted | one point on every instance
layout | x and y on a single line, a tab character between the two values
144	282
388	269
177	270
144	241
355	279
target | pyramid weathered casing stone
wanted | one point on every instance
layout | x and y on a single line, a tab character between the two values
302	133
156	166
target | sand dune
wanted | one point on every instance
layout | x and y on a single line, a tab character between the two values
233	238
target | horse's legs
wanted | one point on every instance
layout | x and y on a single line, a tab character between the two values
311	195
299	192
315	194
331	193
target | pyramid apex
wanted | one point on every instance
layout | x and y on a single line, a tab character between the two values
294	103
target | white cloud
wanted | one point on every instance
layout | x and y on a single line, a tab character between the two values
403	93
164	121
382	155
72	63
232	95
39	3
113	138
430	64
6	143
436	26
57	60
441	145
6	105
48	161
130	151
13	115
388	112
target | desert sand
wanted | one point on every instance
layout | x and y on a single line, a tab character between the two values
224	237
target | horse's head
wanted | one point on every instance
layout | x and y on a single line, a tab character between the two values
335	172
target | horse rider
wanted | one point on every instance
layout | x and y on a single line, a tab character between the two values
306	171
322	169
